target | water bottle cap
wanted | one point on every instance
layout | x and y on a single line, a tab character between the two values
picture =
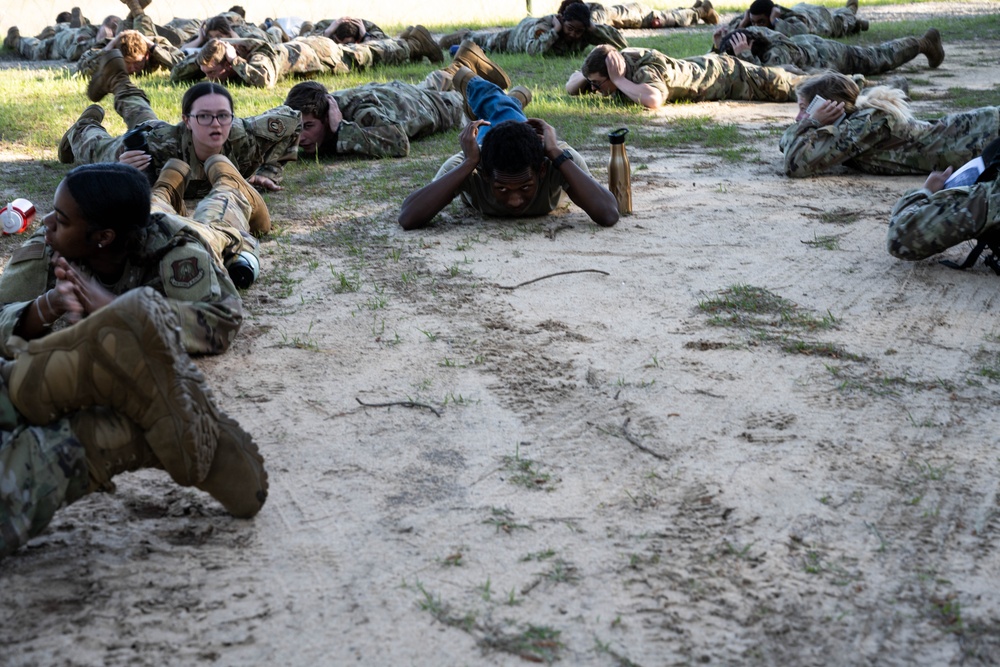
618	136
12	220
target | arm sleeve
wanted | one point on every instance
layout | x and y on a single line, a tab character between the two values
204	298
382	140
810	149
277	135
599	33
25	278
259	70
542	38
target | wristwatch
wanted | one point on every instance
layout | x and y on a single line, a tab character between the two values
565	155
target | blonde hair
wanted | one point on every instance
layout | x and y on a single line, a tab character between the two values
840	88
892	101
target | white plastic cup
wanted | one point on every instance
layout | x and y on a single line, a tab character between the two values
17	216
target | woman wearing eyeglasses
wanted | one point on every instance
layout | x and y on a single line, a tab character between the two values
258	146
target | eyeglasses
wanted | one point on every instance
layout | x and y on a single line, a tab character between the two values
594	85
224	118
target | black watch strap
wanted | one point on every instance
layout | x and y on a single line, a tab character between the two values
565	155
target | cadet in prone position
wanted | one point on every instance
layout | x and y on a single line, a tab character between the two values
510	165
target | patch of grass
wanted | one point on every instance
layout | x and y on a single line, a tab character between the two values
536	643
525	472
793	346
825	241
503	520
746	306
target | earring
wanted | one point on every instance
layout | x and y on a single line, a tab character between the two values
100	245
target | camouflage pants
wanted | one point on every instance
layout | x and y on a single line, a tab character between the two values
313	55
637	15
491	41
41	469
92	143
921	226
867	60
732	79
223	217
68	44
673	18
376	52
837	23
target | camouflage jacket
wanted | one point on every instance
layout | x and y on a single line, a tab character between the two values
381	118
537	36
698	78
171	257
869	141
259	64
805	51
259	145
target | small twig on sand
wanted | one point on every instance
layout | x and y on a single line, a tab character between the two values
552	275
635	441
405	404
551	233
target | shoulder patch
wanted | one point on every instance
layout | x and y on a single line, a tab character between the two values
186	272
26	252
275	126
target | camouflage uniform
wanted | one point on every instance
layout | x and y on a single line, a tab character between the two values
870	141
380	119
42	468
803	19
181	258
637	15
66	44
705	78
537	36
923	224
162	55
809	52
372	31
261	64
259	145
184	29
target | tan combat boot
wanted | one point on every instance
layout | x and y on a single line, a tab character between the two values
92	114
171	184
706	13
521	94
931	46
134	7
237	478
853	6
113	445
221	172
470	55
453	38
306	28
77	20
422	44
126	356
109	72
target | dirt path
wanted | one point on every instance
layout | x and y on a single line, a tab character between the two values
610	478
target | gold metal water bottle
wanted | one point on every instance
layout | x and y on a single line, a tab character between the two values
620	172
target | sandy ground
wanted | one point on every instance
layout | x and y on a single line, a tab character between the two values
608	477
